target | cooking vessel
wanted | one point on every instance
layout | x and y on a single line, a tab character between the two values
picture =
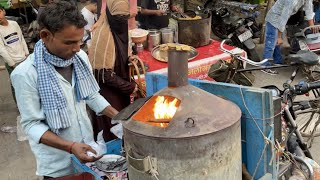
166	35
195	33
154	39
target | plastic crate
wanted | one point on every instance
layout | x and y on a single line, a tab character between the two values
78	167
113	147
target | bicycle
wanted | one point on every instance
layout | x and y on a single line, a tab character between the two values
309	117
291	147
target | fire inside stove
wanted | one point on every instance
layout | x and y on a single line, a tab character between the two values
158	111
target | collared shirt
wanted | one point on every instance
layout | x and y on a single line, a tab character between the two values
51	161
281	11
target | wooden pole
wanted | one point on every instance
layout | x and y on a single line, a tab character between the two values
262	36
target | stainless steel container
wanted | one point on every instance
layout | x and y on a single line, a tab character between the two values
202	140
154	39
167	35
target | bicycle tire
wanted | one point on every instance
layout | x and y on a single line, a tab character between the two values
308	122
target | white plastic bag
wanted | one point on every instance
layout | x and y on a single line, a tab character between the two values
117	130
99	146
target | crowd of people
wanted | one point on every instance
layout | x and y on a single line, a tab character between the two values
57	82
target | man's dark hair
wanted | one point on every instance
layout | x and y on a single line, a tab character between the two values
59	15
2	8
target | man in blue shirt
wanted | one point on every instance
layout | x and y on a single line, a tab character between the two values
276	20
53	86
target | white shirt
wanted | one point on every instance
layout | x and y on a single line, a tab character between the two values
90	18
13	47
281	11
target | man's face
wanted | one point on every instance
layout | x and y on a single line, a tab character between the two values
64	43
2	16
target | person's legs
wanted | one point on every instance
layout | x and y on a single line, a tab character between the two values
270	46
277	57
270	41
10	69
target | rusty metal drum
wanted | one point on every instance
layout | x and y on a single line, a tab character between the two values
202	141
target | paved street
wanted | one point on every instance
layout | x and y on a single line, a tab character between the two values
17	161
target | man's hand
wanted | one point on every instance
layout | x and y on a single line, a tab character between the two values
160	13
279	41
80	151
315	29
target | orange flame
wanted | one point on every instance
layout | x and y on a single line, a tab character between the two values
164	109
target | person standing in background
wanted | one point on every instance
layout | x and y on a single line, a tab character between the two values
13	47
276	20
109	58
89	13
156	13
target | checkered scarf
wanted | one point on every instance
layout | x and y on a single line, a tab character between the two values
52	97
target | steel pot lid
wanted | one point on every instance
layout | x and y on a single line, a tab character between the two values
199	113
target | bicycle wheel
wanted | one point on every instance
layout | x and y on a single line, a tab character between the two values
308	123
312	74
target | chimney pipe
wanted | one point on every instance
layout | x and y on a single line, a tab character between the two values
177	68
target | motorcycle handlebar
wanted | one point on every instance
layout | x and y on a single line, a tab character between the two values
309	28
304	88
240	57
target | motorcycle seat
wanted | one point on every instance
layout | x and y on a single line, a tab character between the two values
304	57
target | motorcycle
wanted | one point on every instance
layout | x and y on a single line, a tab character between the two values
224	24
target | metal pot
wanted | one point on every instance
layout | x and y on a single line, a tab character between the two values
194	33
167	35
154	39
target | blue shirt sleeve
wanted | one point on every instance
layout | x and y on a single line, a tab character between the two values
28	100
